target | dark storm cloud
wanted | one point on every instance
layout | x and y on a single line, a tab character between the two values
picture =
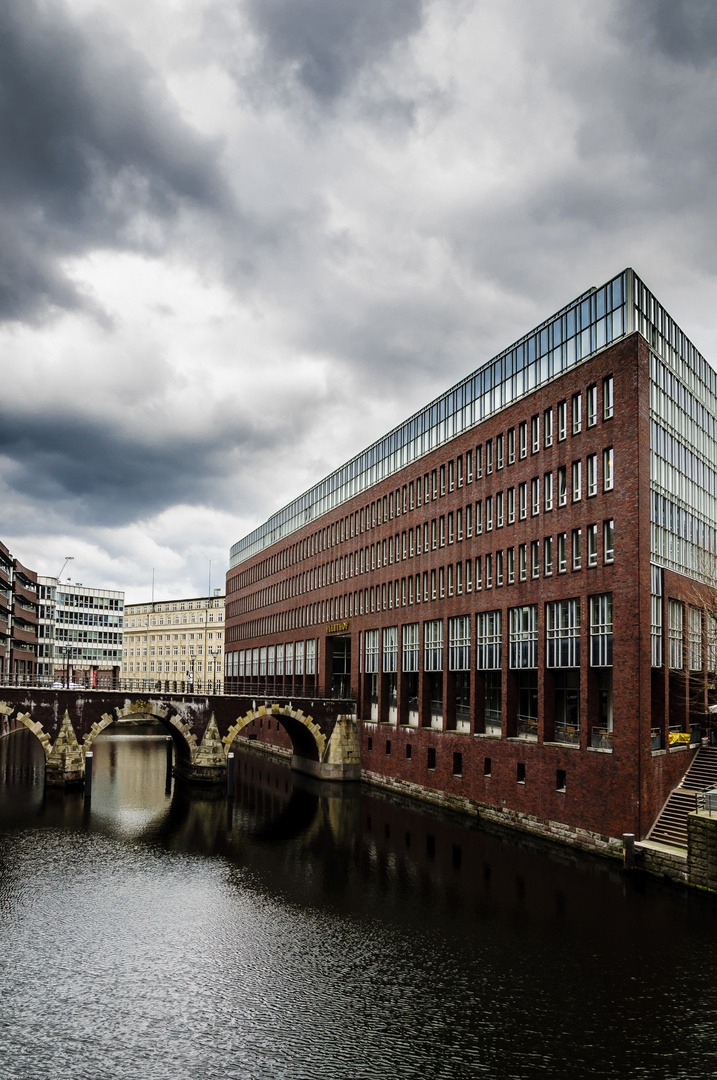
89	143
326	44
684	30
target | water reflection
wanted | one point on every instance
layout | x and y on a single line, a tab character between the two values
317	930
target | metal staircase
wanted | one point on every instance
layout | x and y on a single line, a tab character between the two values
671	824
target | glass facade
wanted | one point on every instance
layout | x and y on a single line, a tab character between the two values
592	321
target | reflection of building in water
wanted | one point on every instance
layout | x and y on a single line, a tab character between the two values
510	582
175	644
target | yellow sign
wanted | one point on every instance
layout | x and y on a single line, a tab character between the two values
336	627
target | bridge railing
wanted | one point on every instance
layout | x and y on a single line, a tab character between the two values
254	688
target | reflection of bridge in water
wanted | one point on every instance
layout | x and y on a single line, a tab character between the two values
323	733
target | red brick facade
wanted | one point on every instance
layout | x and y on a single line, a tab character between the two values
605	777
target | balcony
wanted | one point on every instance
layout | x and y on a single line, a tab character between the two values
601	738
23	635
528	728
567	733
24	614
29	596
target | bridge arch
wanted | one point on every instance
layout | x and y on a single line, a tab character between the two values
184	739
11	712
307	738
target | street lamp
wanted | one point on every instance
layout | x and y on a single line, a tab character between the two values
67	651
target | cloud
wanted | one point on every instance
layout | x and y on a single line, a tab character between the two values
92	150
683	30
325	45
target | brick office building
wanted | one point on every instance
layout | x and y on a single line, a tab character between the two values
18	620
514	583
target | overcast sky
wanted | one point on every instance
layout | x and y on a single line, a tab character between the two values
240	239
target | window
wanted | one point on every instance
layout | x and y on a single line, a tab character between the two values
520	772
523	438
489	571
510	563
488	641
562	486
675	614
511	505
479	462
489	457
451	480
607	473
695	639
459	471
511	446
488	513
459	643
562	552
459	526
608	540
548	426
607	402
443	479
577	547
563	634
479	517
535	496
548	556
390	649
499	568
469	466
591	406
577	413
431	757
371	653
499	452
577	474
522	500
524	636
601	630
592	474
433	645
548	489
487	766
534	434
522	561
562	420
535	558
499	510
592	545
560	779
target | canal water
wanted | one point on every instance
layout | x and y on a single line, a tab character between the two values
327	932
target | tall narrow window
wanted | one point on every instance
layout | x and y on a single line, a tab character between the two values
592	545
577	481
510	564
548	426
607	473
577	413
511	446
488	513
534	434
522	562
535	558
577	549
592	474
695	638
535	496
608	540
601	630
562	552
499	510
562	485
522	500
607	402
548	489
499	452
562	420
523	438
489	457
511	505
591	406
548	556
675	613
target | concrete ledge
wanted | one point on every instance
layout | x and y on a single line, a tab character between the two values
323	770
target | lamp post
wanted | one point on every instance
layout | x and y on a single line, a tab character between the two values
66	651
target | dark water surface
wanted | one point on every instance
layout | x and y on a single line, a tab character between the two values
324	932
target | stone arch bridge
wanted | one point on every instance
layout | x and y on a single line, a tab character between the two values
323	733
